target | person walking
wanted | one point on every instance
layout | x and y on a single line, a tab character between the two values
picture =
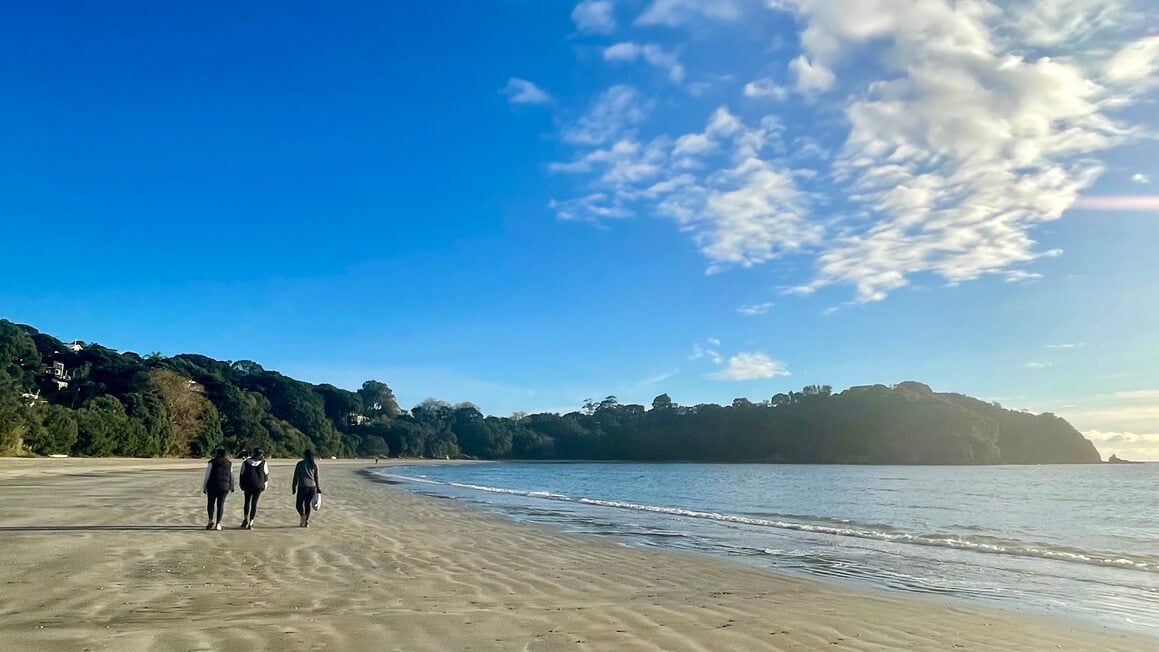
218	483
255	477
305	486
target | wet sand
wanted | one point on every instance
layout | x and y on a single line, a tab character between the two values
113	555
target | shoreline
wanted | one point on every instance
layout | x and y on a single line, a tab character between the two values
987	574
113	555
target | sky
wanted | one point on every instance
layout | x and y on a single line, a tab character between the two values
527	203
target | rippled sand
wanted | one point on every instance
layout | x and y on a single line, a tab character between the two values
112	555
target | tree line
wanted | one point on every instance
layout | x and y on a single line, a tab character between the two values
77	399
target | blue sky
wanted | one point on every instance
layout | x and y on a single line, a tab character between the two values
525	204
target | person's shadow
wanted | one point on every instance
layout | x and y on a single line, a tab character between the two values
121	528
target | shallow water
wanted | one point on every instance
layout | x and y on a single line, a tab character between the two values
1080	540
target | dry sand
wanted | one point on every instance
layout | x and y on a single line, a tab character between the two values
111	555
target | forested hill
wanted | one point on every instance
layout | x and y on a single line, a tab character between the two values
85	399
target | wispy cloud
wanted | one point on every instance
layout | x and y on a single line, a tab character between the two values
1071	346
1140	178
751	366
615	113
675	13
1135	64
595	17
1120	203
1136	395
755	309
1020	275
596	206
766	88
521	91
742	211
653	380
1039	365
652	53
708	350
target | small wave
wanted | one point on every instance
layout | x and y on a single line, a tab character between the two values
959	543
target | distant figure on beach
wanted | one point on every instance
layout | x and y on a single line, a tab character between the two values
305	486
255	477
217	484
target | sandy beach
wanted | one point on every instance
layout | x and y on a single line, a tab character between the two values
112	555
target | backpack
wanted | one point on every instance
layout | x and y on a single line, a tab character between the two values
252	476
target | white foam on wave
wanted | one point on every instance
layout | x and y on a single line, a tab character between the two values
946	541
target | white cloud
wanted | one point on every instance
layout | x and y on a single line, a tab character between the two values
751	366
615	112
595	17
1120	203
1039	365
1067	347
766	88
1122	411
623	165
961	148
596	206
1140	178
709	351
745	213
811	76
1136	63
1054	22
521	91
694	144
652	53
959	139
1136	395
755	309
674	13
1019	275
1127	445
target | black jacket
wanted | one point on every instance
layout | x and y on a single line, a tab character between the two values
218	476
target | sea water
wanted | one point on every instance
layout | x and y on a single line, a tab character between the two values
1077	540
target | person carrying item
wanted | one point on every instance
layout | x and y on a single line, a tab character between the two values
255	477
305	486
218	483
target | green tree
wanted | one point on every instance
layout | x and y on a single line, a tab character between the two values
98	425
378	399
662	402
57	432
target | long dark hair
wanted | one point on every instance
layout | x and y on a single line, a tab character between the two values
309	457
219	454
258	454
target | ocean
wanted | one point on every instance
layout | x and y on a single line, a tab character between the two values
1079	540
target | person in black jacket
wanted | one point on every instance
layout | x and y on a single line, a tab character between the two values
255	477
217	484
305	486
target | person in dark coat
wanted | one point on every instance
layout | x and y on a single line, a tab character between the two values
255	477
217	485
305	486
